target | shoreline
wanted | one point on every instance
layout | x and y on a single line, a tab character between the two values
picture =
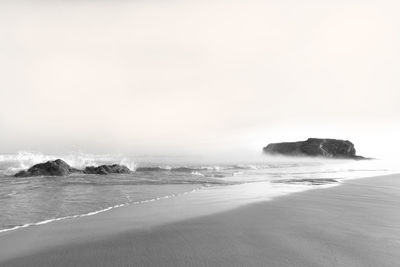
260	196
116	232
324	184
91	213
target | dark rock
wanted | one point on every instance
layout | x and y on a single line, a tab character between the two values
330	148
50	168
107	169
61	168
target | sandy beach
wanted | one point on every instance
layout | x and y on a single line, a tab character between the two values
354	224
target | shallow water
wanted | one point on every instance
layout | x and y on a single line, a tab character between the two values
30	200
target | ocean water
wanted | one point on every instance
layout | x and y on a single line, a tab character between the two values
37	200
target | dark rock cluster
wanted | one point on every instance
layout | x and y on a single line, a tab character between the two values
329	148
59	167
51	168
107	169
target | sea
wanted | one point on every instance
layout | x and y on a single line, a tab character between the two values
30	201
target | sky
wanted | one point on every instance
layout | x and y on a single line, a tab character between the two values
182	76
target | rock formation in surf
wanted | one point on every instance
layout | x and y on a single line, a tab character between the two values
107	169
56	167
315	147
59	167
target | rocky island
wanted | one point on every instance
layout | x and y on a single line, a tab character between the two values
59	167
315	147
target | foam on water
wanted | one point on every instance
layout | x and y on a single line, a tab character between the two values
25	159
34	201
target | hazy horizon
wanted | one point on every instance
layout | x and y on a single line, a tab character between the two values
185	77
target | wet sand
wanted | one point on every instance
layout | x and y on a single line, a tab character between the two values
354	224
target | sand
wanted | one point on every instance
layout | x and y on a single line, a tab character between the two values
354	224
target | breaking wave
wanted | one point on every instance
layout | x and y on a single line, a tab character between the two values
12	163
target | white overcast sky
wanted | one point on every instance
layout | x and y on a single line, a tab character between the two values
187	76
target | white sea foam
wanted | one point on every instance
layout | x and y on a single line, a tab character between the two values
25	159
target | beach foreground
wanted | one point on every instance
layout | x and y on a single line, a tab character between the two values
354	224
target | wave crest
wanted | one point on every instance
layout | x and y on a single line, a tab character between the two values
11	163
